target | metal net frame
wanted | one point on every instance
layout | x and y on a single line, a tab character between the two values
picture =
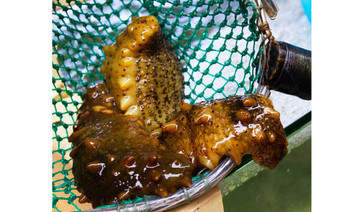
216	41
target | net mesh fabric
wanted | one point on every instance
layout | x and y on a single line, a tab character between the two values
216	41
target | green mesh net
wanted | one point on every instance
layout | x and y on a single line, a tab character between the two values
216	40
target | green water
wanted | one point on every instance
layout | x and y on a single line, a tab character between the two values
285	189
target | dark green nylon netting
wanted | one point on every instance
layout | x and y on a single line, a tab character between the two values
216	40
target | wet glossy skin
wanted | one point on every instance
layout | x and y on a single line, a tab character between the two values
234	126
115	158
143	73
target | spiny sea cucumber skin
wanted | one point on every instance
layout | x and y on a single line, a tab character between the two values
144	74
233	126
115	158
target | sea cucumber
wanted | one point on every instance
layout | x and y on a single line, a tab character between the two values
115	158
143	73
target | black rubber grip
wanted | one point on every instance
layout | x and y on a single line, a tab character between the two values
287	68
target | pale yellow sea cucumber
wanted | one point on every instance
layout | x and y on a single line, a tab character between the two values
144	74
